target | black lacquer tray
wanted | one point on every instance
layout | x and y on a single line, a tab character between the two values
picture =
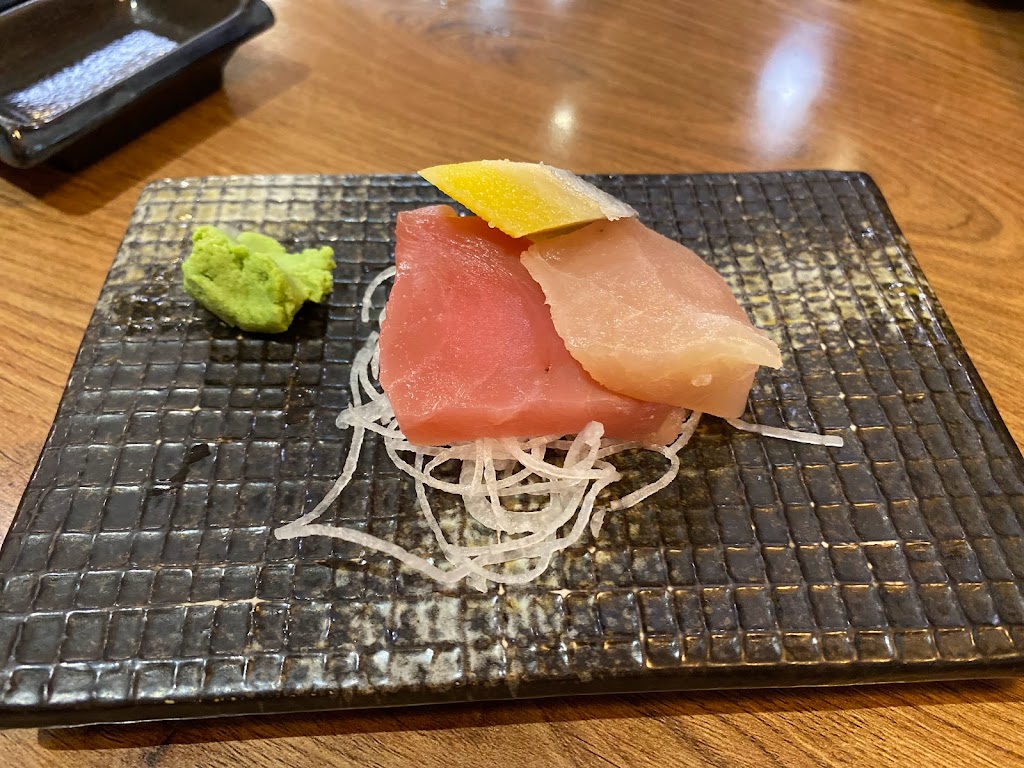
141	578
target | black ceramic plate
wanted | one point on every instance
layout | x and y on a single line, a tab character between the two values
80	76
141	578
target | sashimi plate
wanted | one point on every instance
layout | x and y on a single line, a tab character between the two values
141	578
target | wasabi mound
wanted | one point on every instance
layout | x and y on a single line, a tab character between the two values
252	282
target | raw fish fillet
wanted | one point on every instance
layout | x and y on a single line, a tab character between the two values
525	199
468	350
647	317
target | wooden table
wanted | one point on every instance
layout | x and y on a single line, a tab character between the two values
928	97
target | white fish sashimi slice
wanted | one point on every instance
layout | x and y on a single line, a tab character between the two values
647	317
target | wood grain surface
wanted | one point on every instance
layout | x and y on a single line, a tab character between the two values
927	96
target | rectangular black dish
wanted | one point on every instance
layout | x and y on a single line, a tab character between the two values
82	76
141	578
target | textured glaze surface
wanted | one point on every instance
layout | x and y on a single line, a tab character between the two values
141	578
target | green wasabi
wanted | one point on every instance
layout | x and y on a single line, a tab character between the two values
252	282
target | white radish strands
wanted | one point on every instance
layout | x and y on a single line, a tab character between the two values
493	469
809	438
378	280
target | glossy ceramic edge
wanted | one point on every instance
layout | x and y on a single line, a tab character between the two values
27	146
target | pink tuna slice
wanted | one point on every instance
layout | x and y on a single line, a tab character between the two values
468	349
647	317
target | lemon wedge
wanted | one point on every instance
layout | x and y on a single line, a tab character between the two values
525	199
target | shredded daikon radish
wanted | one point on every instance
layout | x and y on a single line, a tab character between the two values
810	438
525	540
377	281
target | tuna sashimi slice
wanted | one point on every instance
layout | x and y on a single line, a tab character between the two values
468	349
647	317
